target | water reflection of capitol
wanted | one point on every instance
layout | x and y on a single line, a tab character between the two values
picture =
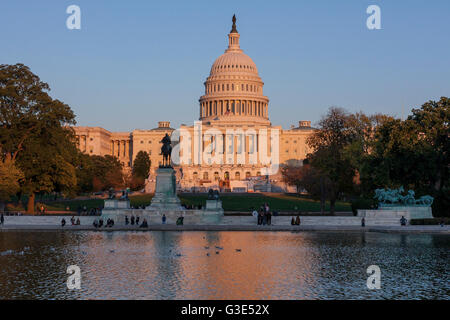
234	118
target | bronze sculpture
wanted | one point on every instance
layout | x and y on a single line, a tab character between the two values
166	151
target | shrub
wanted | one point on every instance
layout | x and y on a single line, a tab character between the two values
431	221
362	203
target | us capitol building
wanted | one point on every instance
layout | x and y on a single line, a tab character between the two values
233	102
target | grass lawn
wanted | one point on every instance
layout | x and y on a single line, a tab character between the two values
230	202
245	202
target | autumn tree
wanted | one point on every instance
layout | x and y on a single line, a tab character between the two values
97	173
10	177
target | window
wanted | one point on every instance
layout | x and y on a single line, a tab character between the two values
237	176
195	175
216	176
247	175
205	175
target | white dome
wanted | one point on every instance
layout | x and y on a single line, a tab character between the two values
232	62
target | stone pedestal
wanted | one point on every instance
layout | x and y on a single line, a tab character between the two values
115	209
412	212
165	197
214	205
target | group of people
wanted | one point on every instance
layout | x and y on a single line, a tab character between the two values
83	211
99	223
135	221
75	222
132	220
192	206
264	215
296	221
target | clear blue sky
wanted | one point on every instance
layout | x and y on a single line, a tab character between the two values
134	63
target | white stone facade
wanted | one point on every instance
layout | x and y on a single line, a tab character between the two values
233	102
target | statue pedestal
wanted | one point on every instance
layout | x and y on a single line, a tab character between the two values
165	197
114	209
214	205
411	212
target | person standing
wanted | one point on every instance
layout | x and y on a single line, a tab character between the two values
163	218
269	218
2	219
363	222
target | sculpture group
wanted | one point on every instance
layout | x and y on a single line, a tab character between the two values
393	197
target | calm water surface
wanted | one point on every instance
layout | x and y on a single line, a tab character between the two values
270	265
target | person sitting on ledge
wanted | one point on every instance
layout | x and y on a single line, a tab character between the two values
95	223
180	221
126	220
297	221
403	221
63	222
137	221
363	222
144	224
100	223
111	223
77	222
163	218
132	220
292	221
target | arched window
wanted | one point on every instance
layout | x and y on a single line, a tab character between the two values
247	175
195	175
237	176
226	176
258	173
216	176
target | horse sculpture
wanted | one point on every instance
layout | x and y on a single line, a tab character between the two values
389	197
166	150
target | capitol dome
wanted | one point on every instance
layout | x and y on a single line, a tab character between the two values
234	89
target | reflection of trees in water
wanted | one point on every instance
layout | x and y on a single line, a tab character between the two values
37	259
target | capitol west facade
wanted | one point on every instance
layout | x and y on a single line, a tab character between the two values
226	148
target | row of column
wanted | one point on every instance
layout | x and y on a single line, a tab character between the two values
82	143
120	148
212	88
233	107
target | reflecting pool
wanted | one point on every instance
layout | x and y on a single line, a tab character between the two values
223	265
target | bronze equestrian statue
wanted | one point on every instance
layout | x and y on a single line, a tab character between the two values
166	151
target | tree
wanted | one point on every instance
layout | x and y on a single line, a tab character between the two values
306	177
35	133
97	173
141	165
10	177
414	153
328	157
141	170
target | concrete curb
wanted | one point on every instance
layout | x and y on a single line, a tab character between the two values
403	230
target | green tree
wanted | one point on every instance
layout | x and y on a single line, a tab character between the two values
414	153
35	133
141	165
141	170
329	157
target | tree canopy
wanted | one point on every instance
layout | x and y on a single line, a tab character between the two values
35	133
